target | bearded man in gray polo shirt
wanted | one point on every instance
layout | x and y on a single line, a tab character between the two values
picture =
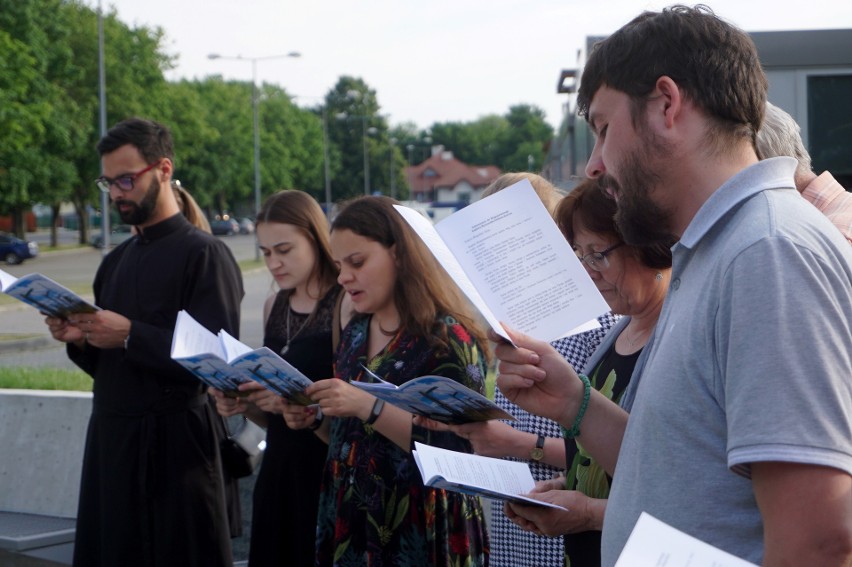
741	430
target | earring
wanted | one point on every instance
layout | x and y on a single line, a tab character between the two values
659	276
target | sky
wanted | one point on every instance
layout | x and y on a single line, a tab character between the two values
428	61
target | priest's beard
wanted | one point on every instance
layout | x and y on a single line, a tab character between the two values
139	213
639	219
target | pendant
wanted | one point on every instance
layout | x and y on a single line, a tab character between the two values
285	349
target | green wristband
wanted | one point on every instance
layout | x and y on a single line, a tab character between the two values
587	393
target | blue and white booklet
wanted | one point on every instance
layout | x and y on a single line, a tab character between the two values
46	295
436	397
224	362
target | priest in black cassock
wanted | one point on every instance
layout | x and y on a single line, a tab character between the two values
151	489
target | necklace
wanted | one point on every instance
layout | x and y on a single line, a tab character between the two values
294	335
634	340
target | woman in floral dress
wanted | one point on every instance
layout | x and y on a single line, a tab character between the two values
410	321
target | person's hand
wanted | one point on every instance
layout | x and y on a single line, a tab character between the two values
535	377
226	406
582	513
555	483
296	416
338	398
490	438
494	438
263	398
63	330
103	329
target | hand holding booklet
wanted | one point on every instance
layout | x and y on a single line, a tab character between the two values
507	255
224	362
436	397
496	479
44	294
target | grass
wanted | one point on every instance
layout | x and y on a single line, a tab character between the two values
28	378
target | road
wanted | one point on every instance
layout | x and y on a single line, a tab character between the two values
76	269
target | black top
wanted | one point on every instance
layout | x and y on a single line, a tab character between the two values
151	489
286	494
611	377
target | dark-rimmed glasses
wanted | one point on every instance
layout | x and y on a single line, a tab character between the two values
597	260
123	182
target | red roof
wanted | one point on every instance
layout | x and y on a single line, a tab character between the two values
443	171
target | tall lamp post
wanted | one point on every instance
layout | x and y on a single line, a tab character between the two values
102	103
255	119
364	132
392	178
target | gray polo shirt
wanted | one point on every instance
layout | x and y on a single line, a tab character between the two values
750	362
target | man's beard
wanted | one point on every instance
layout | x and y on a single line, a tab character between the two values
639	219
140	213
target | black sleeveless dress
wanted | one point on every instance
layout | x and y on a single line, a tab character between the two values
286	493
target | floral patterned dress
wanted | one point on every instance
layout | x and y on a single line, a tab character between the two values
374	509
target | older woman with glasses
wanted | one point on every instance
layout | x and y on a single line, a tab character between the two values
633	280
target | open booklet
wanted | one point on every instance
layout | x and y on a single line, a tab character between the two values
224	362
496	479
507	255
436	397
653	542
44	294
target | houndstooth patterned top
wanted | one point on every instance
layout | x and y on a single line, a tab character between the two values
510	545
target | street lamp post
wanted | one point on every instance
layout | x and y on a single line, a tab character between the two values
366	158
325	162
364	132
392	178
255	119
102	104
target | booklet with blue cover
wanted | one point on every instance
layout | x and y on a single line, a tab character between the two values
46	295
436	397
224	362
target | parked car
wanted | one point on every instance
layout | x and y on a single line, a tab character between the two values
117	235
13	250
246	226
225	227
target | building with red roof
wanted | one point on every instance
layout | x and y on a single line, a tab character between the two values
443	178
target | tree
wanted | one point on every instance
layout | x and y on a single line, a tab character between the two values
135	86
506	141
353	114
35	117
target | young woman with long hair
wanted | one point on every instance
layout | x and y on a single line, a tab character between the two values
292	233
411	320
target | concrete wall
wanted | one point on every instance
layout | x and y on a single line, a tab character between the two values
42	435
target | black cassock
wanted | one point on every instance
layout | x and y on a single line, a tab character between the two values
151	489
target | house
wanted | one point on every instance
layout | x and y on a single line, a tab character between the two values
443	178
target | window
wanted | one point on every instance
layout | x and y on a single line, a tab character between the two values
830	125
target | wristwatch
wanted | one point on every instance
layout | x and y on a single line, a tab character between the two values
376	411
537	452
317	420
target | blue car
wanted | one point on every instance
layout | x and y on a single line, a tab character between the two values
13	250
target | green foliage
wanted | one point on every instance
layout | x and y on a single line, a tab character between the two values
28	378
506	141
50	119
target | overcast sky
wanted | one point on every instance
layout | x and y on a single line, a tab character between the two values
429	61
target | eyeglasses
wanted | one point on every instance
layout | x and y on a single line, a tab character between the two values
597	260
124	182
